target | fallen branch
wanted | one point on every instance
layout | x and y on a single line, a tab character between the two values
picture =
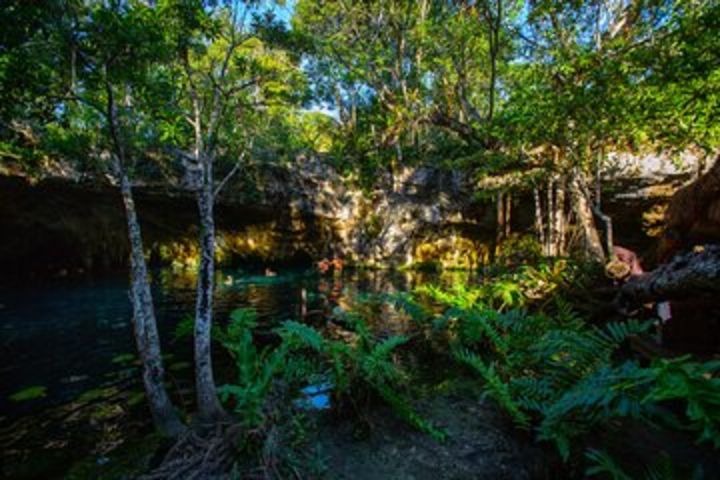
691	275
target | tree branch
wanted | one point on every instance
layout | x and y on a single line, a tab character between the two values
691	275
231	173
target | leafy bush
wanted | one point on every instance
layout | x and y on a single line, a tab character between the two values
267	380
364	364
558	375
355	368
256	369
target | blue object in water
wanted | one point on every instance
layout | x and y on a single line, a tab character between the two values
315	397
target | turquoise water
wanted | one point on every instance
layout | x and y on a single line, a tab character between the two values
70	336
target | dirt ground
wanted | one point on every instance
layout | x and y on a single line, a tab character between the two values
481	444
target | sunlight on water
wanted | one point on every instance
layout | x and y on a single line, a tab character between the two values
72	336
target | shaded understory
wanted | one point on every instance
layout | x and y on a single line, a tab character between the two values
63	228
99	428
112	440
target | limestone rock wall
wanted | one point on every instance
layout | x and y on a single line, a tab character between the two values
300	214
429	215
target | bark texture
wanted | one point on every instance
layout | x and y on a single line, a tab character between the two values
584	217
165	417
144	324
209	407
691	275
559	218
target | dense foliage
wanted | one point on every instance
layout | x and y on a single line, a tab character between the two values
520	97
562	377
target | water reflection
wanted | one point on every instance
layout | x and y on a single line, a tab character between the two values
69	336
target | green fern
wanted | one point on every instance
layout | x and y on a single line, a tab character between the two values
366	365
301	334
602	464
496	386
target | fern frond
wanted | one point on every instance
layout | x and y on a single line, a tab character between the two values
496	386
302	333
602	464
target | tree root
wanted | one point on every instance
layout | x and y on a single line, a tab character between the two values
199	455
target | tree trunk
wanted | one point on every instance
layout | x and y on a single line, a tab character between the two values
607	220
597	206
209	407
559	215
500	224
551	234
395	167
584	215
508	215
687	276
147	339
539	227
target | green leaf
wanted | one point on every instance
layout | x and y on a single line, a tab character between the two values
29	393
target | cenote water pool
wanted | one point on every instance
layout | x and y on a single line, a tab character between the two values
68	336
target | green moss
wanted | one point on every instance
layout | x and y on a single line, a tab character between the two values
29	393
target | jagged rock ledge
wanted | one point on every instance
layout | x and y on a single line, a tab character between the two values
61	226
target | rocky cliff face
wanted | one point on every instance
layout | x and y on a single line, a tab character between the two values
299	214
429	216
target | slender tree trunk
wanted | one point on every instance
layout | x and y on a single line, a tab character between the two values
597	205
551	234
508	215
209	407
584	216
147	339
396	166
539	227
165	417
500	225
559	215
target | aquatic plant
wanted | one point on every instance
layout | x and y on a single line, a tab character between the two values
29	393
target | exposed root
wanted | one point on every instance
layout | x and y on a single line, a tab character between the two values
199	456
